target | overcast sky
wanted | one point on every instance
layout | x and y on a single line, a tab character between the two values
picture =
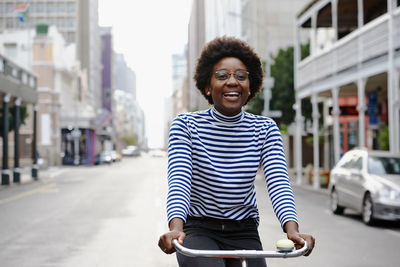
148	33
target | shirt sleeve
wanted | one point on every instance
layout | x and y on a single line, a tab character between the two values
179	169
276	176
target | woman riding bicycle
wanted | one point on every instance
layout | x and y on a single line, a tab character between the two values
213	158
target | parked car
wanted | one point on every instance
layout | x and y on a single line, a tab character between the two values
115	156
131	151
103	157
368	182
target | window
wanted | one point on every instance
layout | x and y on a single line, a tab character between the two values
344	162
357	163
71	8
40	8
10	50
383	165
374	9
46	129
52	9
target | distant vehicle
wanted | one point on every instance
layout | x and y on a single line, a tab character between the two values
368	182
131	151
157	153
103	157
115	156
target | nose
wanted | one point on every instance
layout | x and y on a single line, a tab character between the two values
231	79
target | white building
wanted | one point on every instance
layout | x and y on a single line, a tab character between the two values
59	77
267	25
76	20
354	58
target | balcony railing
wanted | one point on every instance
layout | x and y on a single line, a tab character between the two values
369	42
16	80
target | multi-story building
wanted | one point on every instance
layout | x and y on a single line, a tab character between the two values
267	25
106	132
179	76
18	94
208	20
62	107
63	14
125	77
76	20
354	65
129	117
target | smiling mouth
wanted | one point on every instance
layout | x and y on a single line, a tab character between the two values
232	94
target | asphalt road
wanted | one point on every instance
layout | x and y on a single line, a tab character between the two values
112	215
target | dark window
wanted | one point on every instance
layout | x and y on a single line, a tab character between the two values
374	9
347	17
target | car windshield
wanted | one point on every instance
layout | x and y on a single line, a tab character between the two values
383	165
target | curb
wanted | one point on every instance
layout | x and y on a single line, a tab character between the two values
26	177
322	191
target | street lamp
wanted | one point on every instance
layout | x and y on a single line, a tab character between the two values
268	81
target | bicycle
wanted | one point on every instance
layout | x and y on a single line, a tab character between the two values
285	249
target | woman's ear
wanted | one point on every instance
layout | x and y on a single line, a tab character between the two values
208	91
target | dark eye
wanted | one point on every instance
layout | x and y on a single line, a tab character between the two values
221	75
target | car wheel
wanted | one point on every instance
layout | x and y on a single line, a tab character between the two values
334	203
367	210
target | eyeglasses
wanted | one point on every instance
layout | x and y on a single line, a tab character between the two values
240	75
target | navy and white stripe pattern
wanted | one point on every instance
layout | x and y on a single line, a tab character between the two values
212	163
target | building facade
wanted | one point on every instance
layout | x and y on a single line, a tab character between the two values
17	93
208	20
77	21
353	67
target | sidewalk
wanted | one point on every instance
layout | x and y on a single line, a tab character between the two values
26	175
309	187
305	185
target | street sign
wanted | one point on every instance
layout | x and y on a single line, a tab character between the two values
268	82
273	114
373	111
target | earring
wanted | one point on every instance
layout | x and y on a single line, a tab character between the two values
208	93
249	93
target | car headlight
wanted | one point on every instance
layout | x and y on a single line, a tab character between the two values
389	193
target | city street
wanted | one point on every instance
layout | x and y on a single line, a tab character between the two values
112	215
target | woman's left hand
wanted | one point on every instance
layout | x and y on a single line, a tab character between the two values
298	239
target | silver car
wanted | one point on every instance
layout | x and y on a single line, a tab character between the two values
368	182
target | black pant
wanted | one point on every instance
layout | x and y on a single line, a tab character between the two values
215	234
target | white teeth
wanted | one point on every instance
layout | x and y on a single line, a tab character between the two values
231	94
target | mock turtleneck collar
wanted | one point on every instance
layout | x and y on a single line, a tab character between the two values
226	119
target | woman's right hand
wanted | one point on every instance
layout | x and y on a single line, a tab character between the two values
176	232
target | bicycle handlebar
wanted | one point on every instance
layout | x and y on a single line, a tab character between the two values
238	253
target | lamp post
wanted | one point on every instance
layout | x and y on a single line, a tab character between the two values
268	81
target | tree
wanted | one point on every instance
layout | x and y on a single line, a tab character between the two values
11	117
283	96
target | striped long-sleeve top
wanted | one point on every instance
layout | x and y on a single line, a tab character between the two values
213	161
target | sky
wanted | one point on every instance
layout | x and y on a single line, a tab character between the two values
147	33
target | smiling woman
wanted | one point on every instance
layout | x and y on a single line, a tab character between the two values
214	156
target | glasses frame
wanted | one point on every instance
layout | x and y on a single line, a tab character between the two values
234	75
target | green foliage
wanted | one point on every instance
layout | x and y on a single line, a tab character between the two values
11	118
310	140
130	140
304	51
283	96
383	138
